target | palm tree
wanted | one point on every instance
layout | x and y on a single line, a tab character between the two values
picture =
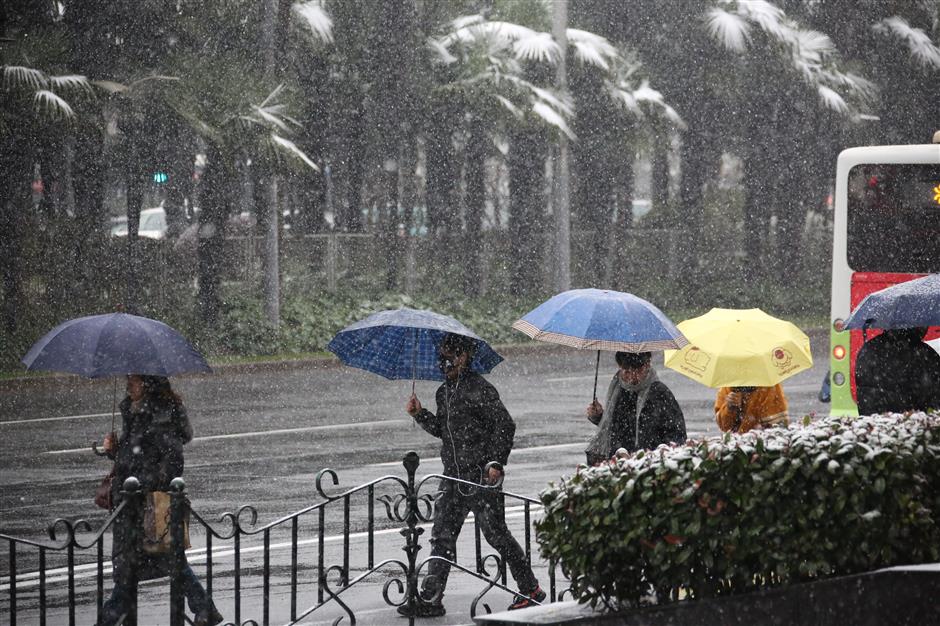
501	72
34	105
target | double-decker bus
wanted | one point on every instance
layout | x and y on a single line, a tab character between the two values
886	230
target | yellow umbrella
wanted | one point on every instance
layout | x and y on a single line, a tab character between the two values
740	348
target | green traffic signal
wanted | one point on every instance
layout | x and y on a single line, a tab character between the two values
160	177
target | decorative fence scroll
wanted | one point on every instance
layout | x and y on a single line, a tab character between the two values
406	502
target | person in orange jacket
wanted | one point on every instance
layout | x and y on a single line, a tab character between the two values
740	409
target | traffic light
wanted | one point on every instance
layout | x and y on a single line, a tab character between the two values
160	177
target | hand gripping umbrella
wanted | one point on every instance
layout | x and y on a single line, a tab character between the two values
114	344
596	319
403	343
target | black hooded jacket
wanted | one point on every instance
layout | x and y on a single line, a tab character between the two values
896	371
151	445
473	425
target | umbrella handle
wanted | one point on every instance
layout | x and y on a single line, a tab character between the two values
94	448
597	367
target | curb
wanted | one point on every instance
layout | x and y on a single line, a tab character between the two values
325	362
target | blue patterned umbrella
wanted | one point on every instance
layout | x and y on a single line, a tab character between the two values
910	304
403	344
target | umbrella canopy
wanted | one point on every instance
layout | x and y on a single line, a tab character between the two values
403	344
910	304
114	344
597	319
740	347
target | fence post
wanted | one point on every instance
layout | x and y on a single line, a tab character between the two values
177	516
412	531
133	545
332	252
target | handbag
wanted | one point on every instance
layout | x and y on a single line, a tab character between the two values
103	491
157	537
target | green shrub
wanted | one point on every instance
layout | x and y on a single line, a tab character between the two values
733	513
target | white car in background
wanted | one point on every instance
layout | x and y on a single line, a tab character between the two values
152	224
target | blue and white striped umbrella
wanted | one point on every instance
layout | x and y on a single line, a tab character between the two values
598	319
403	344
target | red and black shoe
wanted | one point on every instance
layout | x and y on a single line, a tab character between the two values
533	599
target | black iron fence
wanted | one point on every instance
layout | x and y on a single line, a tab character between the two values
408	504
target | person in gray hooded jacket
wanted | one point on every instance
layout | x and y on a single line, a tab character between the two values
641	411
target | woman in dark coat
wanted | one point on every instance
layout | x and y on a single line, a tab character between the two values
641	411
154	428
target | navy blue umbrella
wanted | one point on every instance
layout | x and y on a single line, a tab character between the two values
114	344
403	344
910	304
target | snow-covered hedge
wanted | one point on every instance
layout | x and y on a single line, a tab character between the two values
729	514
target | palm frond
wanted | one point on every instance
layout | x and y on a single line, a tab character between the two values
512	108
291	148
466	20
271	116
20	76
317	20
731	30
71	81
540	47
832	100
591	49
441	53
918	42
552	117
53	104
110	86
625	98
813	45
768	17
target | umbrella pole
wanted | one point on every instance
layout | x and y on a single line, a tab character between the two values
113	403
597	367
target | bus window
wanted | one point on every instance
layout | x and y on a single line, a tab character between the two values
894	218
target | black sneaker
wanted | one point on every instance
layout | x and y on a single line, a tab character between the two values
422	608
533	599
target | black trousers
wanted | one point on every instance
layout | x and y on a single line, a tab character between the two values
451	511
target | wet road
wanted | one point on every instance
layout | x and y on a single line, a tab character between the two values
263	434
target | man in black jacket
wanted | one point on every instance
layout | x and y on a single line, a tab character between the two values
896	371
475	429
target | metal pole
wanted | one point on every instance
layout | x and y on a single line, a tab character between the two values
177	516
561	179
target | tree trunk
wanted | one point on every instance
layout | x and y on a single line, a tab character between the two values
266	204
660	183
392	237
475	206
442	171
134	181
697	165
210	246
561	179
528	150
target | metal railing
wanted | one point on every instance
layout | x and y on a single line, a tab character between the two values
406	502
